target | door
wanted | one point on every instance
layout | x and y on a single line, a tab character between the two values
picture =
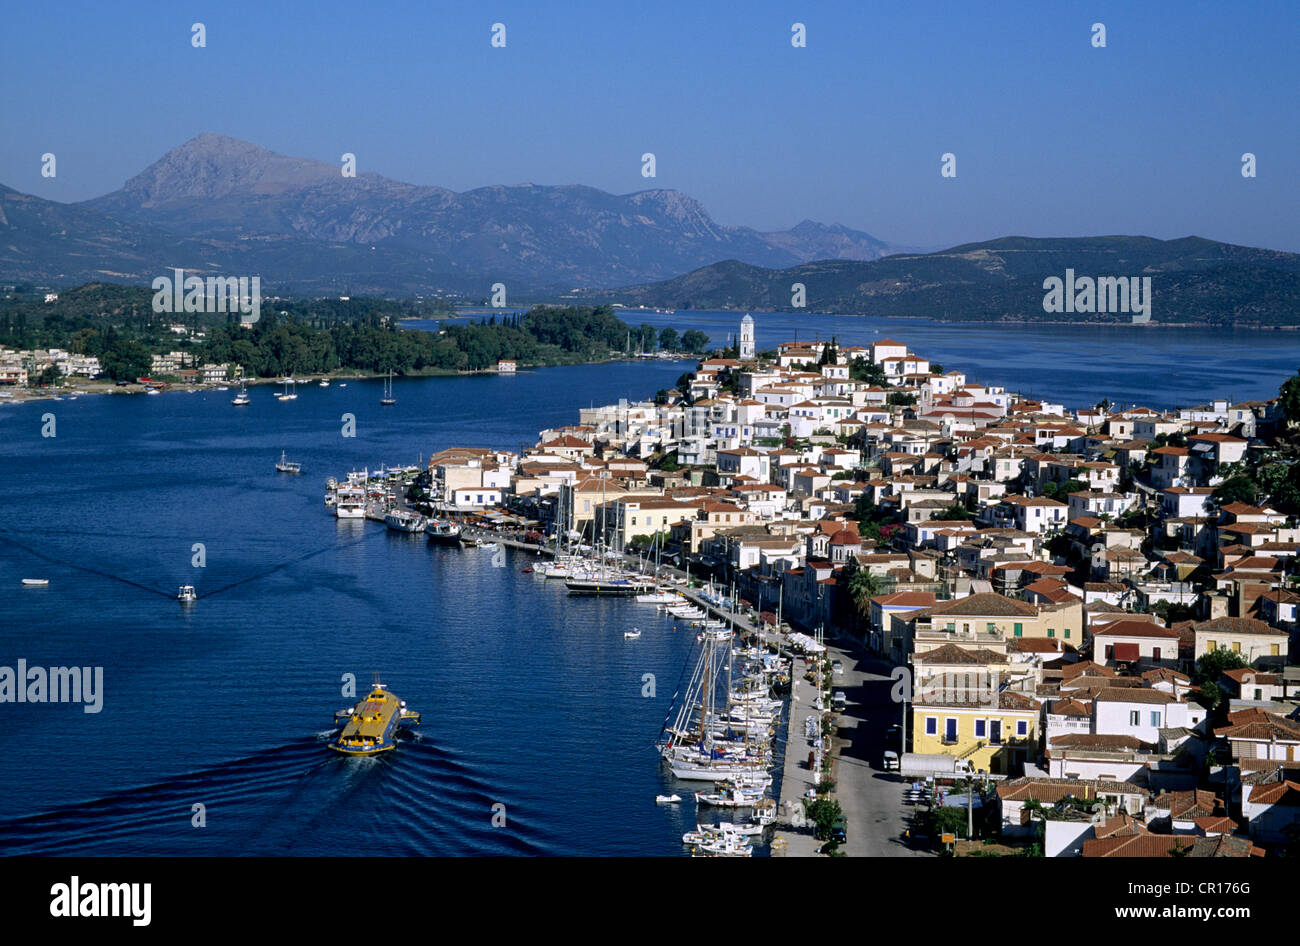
995	732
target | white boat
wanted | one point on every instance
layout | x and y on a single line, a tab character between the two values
242	398
667	799
289	392
402	520
186	594
36	582
632	634
324	382
659	597
388	400
736	798
729	845
288	466
350	502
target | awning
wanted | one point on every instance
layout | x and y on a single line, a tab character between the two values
1125	650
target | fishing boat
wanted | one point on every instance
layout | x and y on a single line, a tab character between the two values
736	798
288	466
371	726
441	532
403	520
187	594
388	400
36	582
728	845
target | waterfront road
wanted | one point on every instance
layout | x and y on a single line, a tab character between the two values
872	798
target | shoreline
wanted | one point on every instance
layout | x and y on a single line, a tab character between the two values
103	387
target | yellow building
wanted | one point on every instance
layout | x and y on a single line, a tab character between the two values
996	732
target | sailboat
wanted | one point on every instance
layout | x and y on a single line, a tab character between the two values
242	398
289	392
388	400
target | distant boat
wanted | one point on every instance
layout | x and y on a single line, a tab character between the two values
632	634
667	799
289	393
36	582
242	398
288	466
388	400
187	594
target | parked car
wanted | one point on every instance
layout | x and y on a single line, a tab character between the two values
890	760
839	830
838	700
837	667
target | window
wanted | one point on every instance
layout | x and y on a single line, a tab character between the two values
1134	718
981	728
1067	633
1018	628
1022	727
1236	647
950	626
1155	718
1211	646
634	520
950	729
1259	694
1273	651
931	726
1051	632
991	627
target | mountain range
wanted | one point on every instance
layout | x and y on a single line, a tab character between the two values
1192	280
217	203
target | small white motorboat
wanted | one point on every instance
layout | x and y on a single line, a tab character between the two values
36	582
187	594
667	799
632	634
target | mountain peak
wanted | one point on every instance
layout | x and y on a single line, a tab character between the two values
210	166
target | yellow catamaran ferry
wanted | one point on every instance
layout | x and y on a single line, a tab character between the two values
370	727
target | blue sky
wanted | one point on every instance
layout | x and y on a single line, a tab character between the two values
1052	136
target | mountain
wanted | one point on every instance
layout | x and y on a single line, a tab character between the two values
532	237
1192	280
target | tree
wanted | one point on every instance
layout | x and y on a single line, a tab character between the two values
126	360
867	372
694	341
1238	488
669	340
955	511
1289	399
824	813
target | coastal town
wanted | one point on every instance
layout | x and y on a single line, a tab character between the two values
1047	632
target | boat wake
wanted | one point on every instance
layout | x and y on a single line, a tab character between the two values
294	799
